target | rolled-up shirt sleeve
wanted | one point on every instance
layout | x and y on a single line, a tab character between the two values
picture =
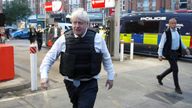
51	57
161	44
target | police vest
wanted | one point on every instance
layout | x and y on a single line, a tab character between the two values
168	43
80	59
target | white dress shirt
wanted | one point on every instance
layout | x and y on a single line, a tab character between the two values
175	42
60	46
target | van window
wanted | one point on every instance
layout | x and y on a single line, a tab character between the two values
141	27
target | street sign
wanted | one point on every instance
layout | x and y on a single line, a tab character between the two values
111	11
103	3
53	6
56	6
98	3
48	6
109	3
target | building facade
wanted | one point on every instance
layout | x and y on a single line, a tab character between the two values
126	6
147	6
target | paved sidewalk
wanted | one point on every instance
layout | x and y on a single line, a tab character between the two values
18	83
135	86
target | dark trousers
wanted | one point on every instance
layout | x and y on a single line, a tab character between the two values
39	43
172	59
83	96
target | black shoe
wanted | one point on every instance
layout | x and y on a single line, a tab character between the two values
178	90
159	80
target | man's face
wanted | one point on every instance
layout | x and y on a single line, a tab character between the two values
79	26
172	23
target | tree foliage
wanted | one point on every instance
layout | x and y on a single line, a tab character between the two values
16	10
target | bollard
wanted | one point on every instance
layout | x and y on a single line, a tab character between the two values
131	49
122	50
33	62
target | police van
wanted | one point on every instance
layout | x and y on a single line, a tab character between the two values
146	30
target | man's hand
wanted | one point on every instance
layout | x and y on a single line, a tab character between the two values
44	83
109	84
187	51
160	58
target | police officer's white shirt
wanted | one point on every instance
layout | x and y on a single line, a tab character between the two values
175	41
60	46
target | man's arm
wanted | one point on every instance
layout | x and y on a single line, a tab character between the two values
49	60
108	65
161	45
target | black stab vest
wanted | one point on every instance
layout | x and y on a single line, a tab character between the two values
168	43
80	59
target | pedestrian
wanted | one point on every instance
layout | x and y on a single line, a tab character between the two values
171	47
2	35
82	50
56	32
39	37
32	34
7	31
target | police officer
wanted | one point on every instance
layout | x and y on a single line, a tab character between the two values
39	33
170	47
82	51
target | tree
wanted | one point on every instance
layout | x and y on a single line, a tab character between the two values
16	10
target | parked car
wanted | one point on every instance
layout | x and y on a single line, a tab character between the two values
21	34
65	26
9	30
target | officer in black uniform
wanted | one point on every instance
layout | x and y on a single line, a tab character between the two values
82	51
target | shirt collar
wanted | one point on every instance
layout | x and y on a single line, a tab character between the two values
173	30
82	35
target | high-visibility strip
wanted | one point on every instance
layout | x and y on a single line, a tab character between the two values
150	38
191	42
122	35
126	37
186	40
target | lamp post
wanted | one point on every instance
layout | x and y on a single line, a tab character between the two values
117	29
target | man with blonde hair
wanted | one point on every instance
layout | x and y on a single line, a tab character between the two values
82	51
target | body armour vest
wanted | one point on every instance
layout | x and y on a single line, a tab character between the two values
80	59
168	43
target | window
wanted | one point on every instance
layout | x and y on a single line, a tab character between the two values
183	4
146	5
123	5
140	27
139	5
153	5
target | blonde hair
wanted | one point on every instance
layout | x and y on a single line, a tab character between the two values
81	14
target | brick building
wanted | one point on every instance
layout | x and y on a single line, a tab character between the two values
142	6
